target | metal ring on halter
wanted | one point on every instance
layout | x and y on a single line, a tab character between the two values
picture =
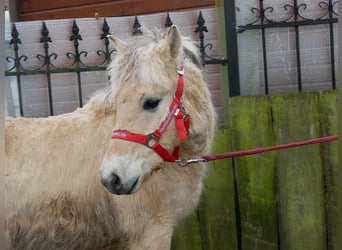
182	162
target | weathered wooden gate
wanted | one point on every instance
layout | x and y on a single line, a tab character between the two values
276	200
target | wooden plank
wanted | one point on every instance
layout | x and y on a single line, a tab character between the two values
188	235
106	9
38	5
300	173
213	225
339	114
328	114
250	124
217	209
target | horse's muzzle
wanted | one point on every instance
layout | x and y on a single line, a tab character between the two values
115	185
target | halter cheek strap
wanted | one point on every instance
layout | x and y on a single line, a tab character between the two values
177	111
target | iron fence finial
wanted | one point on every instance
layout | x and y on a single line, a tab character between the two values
168	22
136	27
15	38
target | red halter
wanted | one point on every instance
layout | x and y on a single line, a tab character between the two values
176	110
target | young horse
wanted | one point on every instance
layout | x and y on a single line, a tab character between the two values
54	196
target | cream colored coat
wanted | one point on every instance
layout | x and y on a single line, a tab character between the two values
54	197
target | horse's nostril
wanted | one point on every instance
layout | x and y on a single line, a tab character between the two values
115	182
116	185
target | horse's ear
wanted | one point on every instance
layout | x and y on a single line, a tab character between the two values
172	43
118	44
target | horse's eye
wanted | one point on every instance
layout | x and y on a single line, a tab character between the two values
151	104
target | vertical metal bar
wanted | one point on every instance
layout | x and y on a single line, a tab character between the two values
46	39
48	74
232	48
104	35
79	84
332	51
20	97
75	37
15	40
263	38
201	28
264	55
299	71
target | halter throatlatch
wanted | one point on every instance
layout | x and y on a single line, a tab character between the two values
176	110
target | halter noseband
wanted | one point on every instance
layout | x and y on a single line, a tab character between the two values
176	110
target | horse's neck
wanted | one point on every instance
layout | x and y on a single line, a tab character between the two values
94	129
96	120
202	116
196	145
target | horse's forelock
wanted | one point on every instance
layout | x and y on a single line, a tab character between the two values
140	61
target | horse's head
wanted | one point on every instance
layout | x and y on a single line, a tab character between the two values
151	120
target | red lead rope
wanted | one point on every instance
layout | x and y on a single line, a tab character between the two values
182	124
184	161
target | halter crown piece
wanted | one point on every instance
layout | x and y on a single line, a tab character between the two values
176	110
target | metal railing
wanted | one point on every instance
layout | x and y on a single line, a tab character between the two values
294	17
77	66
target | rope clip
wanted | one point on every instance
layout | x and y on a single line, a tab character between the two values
183	161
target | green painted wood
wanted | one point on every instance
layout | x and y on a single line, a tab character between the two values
282	193
300	173
328	117
250	123
188	235
216	211
339	129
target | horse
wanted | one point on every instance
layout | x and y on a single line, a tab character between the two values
107	175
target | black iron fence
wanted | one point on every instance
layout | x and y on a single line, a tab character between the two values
294	16
77	66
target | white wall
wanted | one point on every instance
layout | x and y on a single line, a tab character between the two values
65	95
314	42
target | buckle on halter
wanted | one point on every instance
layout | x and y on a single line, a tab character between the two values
185	113
151	140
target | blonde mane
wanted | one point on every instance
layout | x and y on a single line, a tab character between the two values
135	61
